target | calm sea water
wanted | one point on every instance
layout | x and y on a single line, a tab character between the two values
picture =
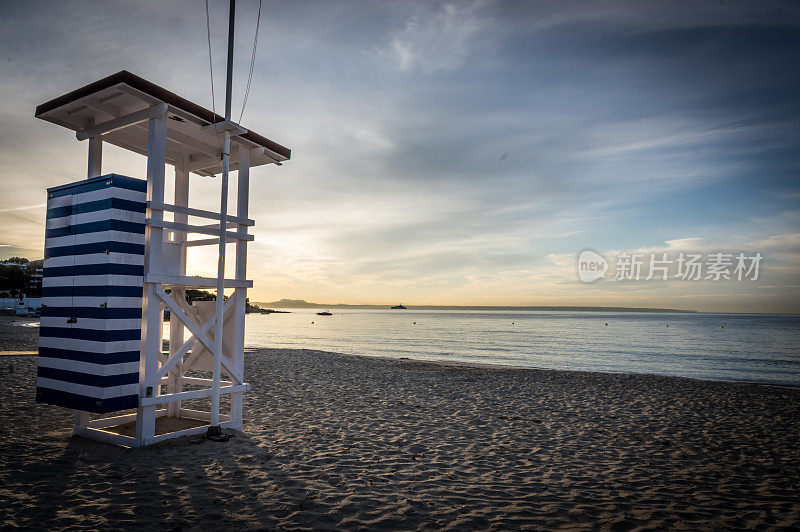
729	347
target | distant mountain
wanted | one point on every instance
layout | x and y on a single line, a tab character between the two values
301	303
291	303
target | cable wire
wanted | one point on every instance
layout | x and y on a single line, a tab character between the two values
252	61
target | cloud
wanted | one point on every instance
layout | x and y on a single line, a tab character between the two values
438	36
12	209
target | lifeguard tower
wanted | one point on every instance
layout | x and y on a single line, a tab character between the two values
115	259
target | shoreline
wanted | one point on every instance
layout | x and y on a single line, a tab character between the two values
489	365
479	365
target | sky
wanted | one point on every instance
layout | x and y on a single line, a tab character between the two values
456	153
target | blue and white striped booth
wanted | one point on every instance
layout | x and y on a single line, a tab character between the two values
90	335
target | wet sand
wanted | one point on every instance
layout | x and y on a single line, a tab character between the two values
336	441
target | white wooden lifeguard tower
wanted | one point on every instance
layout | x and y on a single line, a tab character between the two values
115	259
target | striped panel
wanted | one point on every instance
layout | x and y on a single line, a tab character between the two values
95	216
94	302
96	392
92	323
88	366
93	335
81	357
99	195
95	227
95	291
84	402
88	379
106	247
91	346
96	238
90	331
99	313
94	259
94	269
81	279
60	211
98	183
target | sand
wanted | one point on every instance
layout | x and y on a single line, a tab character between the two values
164	425
16	334
343	442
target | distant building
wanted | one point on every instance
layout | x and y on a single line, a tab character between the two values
21	306
34	280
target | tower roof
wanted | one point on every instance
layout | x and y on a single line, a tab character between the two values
188	131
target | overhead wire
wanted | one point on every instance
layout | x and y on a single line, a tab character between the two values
211	70
252	61
252	64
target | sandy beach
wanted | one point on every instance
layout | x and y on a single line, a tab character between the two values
341	442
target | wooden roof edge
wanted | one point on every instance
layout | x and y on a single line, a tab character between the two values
168	97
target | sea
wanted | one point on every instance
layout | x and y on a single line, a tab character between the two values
724	347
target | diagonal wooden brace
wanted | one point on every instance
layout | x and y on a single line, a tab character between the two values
198	333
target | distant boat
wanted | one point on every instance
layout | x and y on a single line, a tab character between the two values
326	313
399	307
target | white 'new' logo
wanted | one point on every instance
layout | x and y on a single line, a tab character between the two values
591	266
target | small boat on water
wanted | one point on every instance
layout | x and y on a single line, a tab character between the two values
398	307
326	313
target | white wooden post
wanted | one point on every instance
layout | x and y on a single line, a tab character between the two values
95	157
175	381
81	419
151	305
242	206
